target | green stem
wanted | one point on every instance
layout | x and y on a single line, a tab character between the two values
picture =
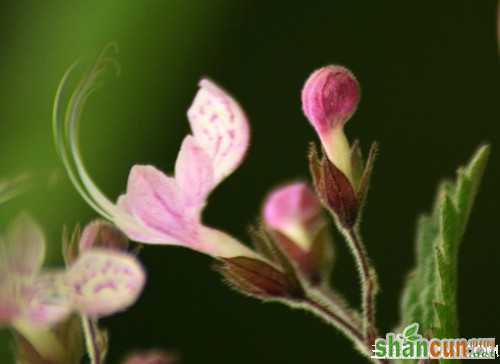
90	333
44	341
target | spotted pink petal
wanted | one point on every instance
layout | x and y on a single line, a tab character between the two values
194	176
167	210
220	127
24	251
45	299
103	282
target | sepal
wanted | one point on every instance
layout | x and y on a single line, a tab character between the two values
345	198
259	279
334	189
316	263
365	177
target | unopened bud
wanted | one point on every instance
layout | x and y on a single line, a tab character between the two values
293	214
329	98
294	211
102	234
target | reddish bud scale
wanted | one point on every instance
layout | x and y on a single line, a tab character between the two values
334	189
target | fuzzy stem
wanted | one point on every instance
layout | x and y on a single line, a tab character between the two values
342	306
335	318
324	309
368	283
91	341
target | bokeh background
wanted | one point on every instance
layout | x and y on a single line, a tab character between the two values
429	72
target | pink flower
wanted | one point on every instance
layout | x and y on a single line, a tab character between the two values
161	209
329	97
100	282
293	210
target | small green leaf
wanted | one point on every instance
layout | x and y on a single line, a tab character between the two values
429	297
411	331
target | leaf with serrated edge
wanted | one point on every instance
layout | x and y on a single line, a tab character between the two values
430	293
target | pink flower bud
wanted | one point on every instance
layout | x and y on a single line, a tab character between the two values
292	210
329	97
102	234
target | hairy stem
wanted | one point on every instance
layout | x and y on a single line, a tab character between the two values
329	312
368	284
342	306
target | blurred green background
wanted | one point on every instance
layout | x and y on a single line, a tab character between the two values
430	78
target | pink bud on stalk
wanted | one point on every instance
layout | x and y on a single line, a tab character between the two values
329	98
293	215
294	211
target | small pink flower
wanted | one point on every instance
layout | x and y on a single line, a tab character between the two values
162	209
329	97
100	282
293	210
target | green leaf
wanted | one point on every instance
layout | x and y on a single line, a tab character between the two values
411	331
430	294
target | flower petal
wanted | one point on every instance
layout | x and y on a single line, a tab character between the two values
103	282
156	201
220	127
194	176
46	299
25	246
134	228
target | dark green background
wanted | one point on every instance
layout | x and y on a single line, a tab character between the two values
429	75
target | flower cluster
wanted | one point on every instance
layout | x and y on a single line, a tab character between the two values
292	254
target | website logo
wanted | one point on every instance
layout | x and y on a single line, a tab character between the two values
410	345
